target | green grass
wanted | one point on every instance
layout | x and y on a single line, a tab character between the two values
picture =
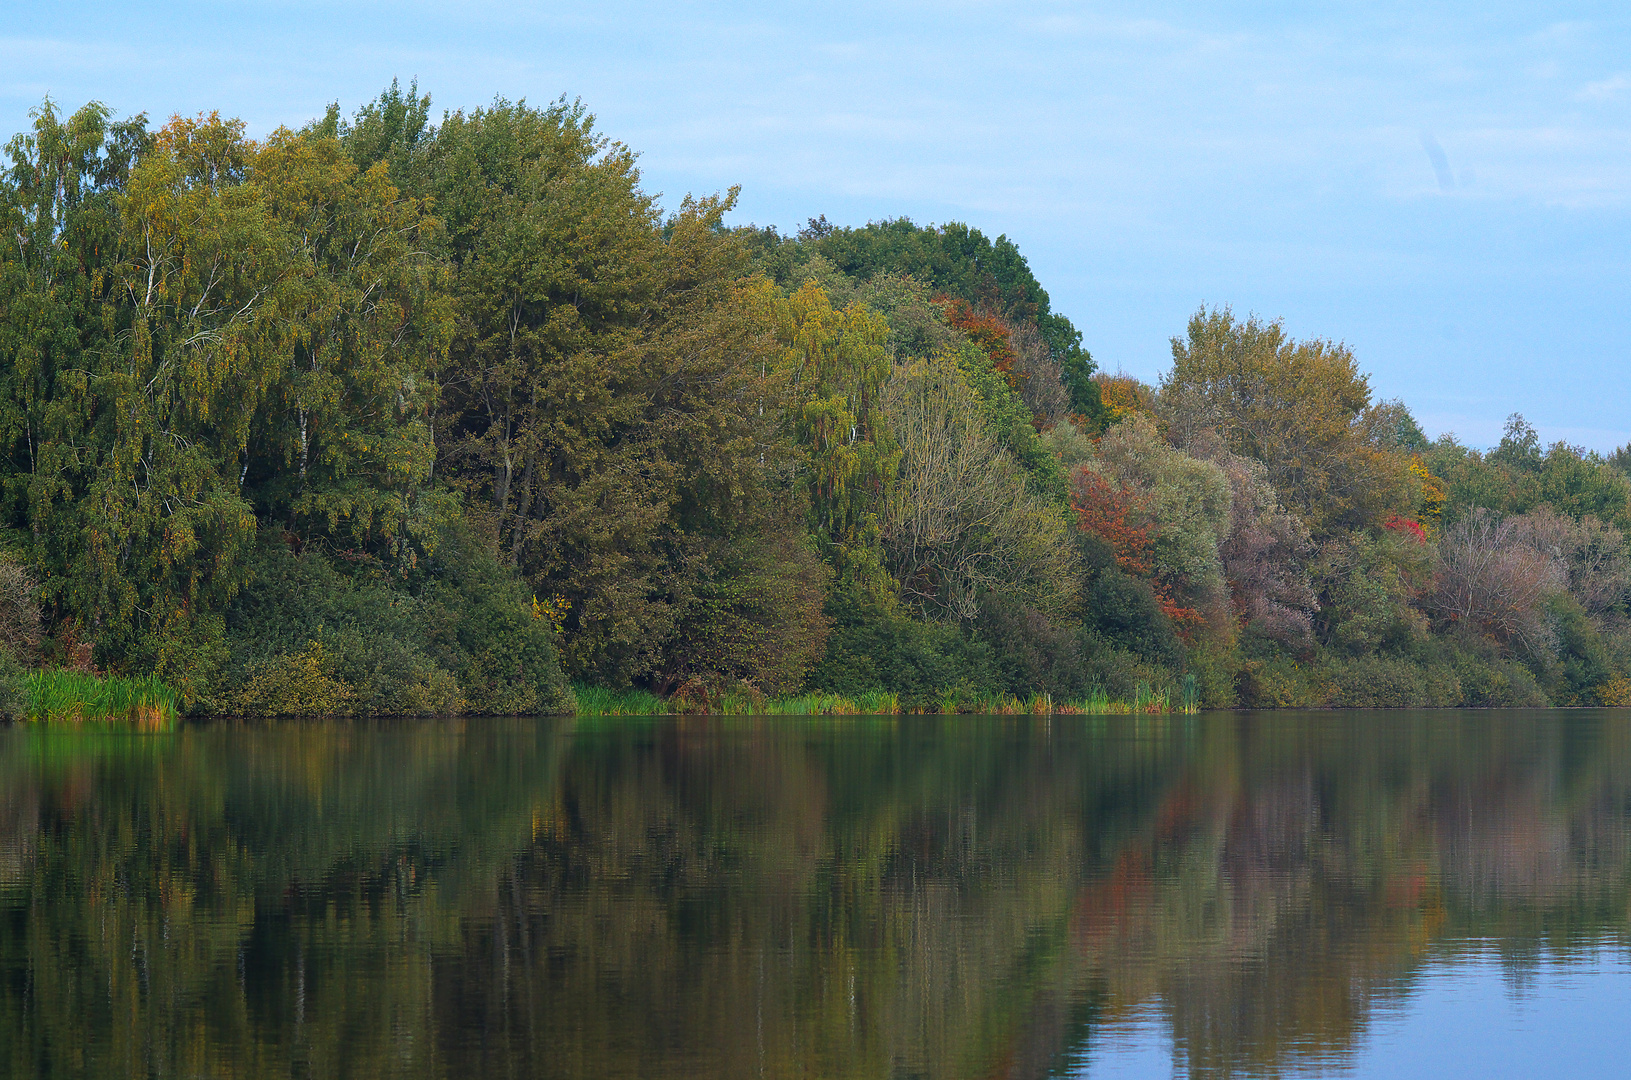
76	697
599	701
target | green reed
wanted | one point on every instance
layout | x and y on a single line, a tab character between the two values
73	697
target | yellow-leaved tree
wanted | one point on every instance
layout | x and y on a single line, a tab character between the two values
1302	408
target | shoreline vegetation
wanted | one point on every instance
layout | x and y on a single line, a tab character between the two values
595	702
145	703
72	697
398	415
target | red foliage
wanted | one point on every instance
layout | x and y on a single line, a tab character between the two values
1103	510
1185	617
1413	529
986	330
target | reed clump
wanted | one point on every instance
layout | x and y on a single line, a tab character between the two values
71	697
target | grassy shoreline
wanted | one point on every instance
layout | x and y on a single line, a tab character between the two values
147	704
599	701
74	697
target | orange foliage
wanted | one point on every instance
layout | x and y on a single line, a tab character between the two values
986	330
1104	511
1123	394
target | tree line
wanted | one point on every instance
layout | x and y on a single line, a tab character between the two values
383	415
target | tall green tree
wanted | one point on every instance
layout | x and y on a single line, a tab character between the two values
836	363
610	411
343	443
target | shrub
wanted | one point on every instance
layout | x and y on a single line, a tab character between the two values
1277	682
1032	652
391	677
1615	693
188	654
461	634
1487	679
1582	662
1375	682
755	615
1125	609
294	684
1117	673
484	628
876	646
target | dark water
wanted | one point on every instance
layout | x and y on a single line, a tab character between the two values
1428	894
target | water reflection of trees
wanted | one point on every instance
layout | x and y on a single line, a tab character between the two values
929	898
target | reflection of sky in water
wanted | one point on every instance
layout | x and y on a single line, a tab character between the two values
1468	1014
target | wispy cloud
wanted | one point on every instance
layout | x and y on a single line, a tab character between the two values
1605	89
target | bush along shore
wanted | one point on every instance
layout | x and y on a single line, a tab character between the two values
400	413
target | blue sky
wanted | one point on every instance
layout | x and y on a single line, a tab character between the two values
1448	190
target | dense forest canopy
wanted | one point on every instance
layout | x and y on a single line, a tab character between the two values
392	416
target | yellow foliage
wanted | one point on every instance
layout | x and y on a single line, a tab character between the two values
1123	395
1433	496
555	610
298	684
1616	693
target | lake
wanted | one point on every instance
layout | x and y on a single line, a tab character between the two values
1231	894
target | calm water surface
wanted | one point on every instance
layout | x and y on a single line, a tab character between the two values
1404	894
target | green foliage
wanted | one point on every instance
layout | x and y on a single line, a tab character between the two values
218	342
1124	610
461	636
1489	681
1277	682
1010	421
1366	587
756	615
610	404
1036	653
1186	504
835	365
875	645
1389	682
1580	662
953	259
601	701
963	521
959	260
294	684
1517	476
